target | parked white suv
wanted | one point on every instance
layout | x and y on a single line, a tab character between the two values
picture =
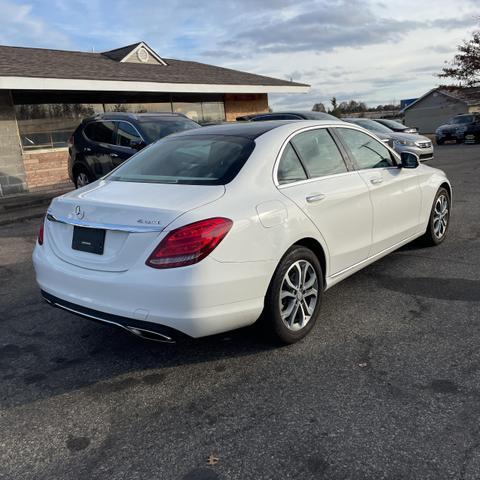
204	231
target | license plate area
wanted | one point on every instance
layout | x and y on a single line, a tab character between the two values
91	240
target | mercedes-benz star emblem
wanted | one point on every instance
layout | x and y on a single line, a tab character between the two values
79	213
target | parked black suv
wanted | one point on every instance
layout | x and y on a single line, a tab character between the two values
306	115
101	143
464	127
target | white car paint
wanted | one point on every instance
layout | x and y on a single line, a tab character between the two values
356	218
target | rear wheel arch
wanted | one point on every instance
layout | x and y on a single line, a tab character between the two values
80	167
316	247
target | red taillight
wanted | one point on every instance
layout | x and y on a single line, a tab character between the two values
71	141
40	234
189	244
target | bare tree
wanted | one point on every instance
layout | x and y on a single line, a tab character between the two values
318	107
465	66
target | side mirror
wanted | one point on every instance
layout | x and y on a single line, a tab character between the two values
138	145
409	160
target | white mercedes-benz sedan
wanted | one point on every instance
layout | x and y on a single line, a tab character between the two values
211	229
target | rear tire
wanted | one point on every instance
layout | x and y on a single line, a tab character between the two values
439	220
82	178
293	299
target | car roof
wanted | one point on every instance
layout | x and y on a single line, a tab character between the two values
134	116
305	113
255	129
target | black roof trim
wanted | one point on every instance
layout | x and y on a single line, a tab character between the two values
240	129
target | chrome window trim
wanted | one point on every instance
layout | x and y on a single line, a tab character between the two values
317	127
104	226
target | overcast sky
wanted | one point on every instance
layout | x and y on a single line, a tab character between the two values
374	51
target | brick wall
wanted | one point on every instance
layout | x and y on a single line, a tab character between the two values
46	170
12	173
237	104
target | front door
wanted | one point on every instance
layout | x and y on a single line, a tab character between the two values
395	192
128	142
312	172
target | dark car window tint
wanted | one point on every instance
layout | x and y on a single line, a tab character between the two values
319	153
102	132
194	160
127	135
367	152
290	168
462	119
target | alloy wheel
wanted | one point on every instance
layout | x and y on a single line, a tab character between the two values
82	180
298	295
440	216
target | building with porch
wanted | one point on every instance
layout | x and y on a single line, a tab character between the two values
44	94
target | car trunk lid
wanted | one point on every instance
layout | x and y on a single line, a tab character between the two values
131	215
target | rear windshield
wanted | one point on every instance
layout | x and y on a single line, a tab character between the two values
192	160
155	129
393	124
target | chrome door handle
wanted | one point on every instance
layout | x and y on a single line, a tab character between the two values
376	181
113	155
317	197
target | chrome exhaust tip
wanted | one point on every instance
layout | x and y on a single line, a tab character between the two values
149	335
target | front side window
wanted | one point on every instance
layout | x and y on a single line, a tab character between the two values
127	135
366	151
192	160
290	168
319	153
101	132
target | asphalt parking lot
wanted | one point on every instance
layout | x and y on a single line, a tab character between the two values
387	385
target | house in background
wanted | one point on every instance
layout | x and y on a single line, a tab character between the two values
434	108
45	93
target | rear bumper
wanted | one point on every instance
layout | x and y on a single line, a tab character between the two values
204	299
137	327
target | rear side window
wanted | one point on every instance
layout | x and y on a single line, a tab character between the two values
366	151
101	132
194	160
290	168
127	135
319	153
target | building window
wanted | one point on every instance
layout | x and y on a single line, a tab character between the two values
50	125
213	112
201	112
139	107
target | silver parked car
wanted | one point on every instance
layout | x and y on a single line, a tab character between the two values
400	142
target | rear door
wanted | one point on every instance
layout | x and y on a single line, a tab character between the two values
97	153
395	192
313	173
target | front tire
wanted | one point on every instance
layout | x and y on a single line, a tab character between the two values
293	299
439	219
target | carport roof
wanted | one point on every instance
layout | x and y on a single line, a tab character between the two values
37	68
